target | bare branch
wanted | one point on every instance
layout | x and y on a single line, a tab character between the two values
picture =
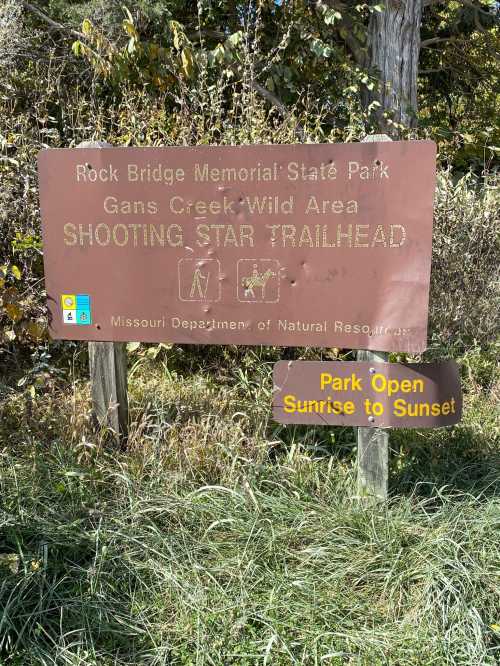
436	70
467	3
53	24
275	101
198	35
436	40
271	97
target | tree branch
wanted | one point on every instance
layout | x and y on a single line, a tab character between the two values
467	3
436	70
435	40
473	5
267	94
197	36
53	24
275	101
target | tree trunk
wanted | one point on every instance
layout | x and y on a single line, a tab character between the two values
393	53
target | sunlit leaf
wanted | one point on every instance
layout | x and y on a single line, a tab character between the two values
235	38
10	560
178	34
77	48
35	330
87	27
187	62
131	45
330	16
13	311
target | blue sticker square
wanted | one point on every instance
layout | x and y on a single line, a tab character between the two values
83	317
82	302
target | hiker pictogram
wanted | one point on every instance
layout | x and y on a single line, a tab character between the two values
199	280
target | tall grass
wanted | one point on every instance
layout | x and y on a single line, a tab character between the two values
219	537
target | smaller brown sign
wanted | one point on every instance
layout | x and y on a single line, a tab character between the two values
382	395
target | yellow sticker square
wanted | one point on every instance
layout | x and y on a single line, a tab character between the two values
68	301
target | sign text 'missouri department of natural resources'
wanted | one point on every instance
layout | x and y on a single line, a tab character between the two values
323	245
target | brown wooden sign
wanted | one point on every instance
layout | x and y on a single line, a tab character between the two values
322	245
382	395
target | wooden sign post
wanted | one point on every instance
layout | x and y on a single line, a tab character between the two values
108	374
373	443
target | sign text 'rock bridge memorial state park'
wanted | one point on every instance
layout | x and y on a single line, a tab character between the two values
322	245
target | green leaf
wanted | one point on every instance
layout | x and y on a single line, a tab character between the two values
330	16
16	272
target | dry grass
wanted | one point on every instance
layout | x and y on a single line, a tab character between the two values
219	537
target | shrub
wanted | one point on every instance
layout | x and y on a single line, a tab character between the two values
464	299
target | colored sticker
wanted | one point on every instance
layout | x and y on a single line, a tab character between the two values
68	302
83	317
69	316
76	309
83	302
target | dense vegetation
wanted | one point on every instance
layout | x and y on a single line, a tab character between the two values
217	536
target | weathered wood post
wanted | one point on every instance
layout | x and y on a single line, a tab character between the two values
108	373
373	443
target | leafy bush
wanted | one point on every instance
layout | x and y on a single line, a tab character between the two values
465	294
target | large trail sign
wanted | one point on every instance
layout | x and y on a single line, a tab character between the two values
322	245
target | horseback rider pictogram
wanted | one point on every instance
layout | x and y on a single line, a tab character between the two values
260	286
